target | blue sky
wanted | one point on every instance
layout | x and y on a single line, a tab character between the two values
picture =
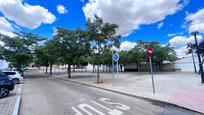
140	23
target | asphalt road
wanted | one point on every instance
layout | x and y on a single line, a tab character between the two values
44	95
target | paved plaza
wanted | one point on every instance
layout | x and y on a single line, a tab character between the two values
180	88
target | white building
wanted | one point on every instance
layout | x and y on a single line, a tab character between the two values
186	64
3	64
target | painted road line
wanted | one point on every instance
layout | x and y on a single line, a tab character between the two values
77	111
118	105
84	106
111	112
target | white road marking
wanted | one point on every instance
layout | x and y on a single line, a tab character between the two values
118	105
86	108
77	111
101	105
83	106
111	112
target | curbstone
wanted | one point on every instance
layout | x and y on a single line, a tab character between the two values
18	101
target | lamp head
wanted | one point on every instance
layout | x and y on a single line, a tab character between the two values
194	33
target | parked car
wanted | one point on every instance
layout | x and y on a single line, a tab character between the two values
6	85
15	76
19	70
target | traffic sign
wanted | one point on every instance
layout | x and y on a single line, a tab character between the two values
150	51
116	57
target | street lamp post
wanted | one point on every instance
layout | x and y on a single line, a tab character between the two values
190	47
199	58
194	63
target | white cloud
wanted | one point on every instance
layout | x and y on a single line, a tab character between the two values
196	21
174	34
171	35
126	45
180	44
130	14
6	28
181	52
54	31
61	9
26	15
160	25
179	41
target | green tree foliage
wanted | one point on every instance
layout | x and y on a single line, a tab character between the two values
42	58
73	45
19	50
106	58
125	58
161	52
102	36
48	54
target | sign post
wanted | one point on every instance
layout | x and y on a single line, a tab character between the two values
150	54
116	59
112	66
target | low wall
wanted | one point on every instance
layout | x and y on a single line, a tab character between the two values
156	67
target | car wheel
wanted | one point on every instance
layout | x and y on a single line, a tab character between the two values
4	91
15	81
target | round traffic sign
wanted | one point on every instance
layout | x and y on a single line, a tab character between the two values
150	51
116	57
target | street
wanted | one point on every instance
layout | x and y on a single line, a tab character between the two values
43	95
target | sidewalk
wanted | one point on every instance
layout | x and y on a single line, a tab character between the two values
10	104
183	89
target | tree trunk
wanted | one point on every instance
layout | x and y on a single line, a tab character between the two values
138	67
69	71
194	63
93	68
103	68
46	66
51	69
109	68
58	68
46	69
121	68
160	67
98	73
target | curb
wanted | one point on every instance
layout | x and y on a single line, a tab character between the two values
154	101
18	101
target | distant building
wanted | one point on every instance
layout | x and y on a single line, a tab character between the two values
144	67
3	64
186	64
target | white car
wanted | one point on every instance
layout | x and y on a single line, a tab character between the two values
15	76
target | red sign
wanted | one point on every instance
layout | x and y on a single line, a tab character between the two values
150	51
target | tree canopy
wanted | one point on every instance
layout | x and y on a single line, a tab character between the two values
19	50
79	47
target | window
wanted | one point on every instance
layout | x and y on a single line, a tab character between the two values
2	75
9	73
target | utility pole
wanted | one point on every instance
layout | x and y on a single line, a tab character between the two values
199	57
112	65
194	63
